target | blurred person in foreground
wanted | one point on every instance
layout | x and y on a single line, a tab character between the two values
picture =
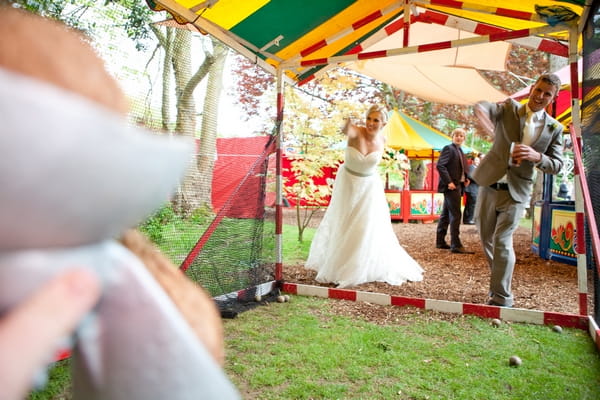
525	137
74	177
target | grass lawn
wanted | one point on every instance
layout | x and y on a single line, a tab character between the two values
300	350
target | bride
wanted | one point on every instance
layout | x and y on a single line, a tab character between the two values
355	242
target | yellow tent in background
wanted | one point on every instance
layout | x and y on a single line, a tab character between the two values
418	140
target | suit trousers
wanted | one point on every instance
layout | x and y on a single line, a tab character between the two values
450	217
497	217
469	211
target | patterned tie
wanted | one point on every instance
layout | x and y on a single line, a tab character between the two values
529	129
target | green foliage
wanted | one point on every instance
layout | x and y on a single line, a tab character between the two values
59	383
174	234
154	226
392	167
482	146
305	169
295	251
71	12
202	214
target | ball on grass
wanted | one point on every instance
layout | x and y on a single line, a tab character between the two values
286	297
280	299
496	322
257	298
557	329
514	361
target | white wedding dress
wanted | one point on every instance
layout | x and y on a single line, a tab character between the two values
355	242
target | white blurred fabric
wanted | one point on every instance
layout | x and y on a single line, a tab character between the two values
73	172
73	176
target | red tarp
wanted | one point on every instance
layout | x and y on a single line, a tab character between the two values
235	157
290	179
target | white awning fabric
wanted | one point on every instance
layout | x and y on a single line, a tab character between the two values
443	76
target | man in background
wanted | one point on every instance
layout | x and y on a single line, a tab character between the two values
452	167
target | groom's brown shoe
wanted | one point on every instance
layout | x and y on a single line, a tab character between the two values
461	250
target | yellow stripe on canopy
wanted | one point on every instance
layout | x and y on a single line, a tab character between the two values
401	135
340	22
229	13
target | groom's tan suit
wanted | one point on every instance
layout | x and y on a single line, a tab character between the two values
500	205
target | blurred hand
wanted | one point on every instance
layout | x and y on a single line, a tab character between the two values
484	120
31	331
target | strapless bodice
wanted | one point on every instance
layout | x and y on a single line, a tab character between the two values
361	164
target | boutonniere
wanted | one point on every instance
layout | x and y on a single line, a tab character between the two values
552	126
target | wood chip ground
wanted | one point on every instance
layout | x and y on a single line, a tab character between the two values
538	284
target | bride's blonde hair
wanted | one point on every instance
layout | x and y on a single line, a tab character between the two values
379	109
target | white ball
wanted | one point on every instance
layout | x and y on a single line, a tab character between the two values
514	361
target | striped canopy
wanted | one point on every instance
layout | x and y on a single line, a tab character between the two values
418	140
302	37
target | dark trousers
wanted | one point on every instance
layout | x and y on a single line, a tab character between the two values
469	212
450	217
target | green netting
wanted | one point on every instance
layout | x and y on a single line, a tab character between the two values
223	190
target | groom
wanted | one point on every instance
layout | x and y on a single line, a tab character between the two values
525	136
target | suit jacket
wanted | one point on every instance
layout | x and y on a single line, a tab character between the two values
450	167
508	119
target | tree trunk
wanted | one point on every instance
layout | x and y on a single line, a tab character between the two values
186	199
417	175
207	152
165	109
195	190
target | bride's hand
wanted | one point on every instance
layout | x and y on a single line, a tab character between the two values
349	129
347	125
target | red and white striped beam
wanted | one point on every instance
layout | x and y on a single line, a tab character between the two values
407	17
351	29
279	178
453	307
493	37
534	42
583	208
497	11
427	16
582	197
395	8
